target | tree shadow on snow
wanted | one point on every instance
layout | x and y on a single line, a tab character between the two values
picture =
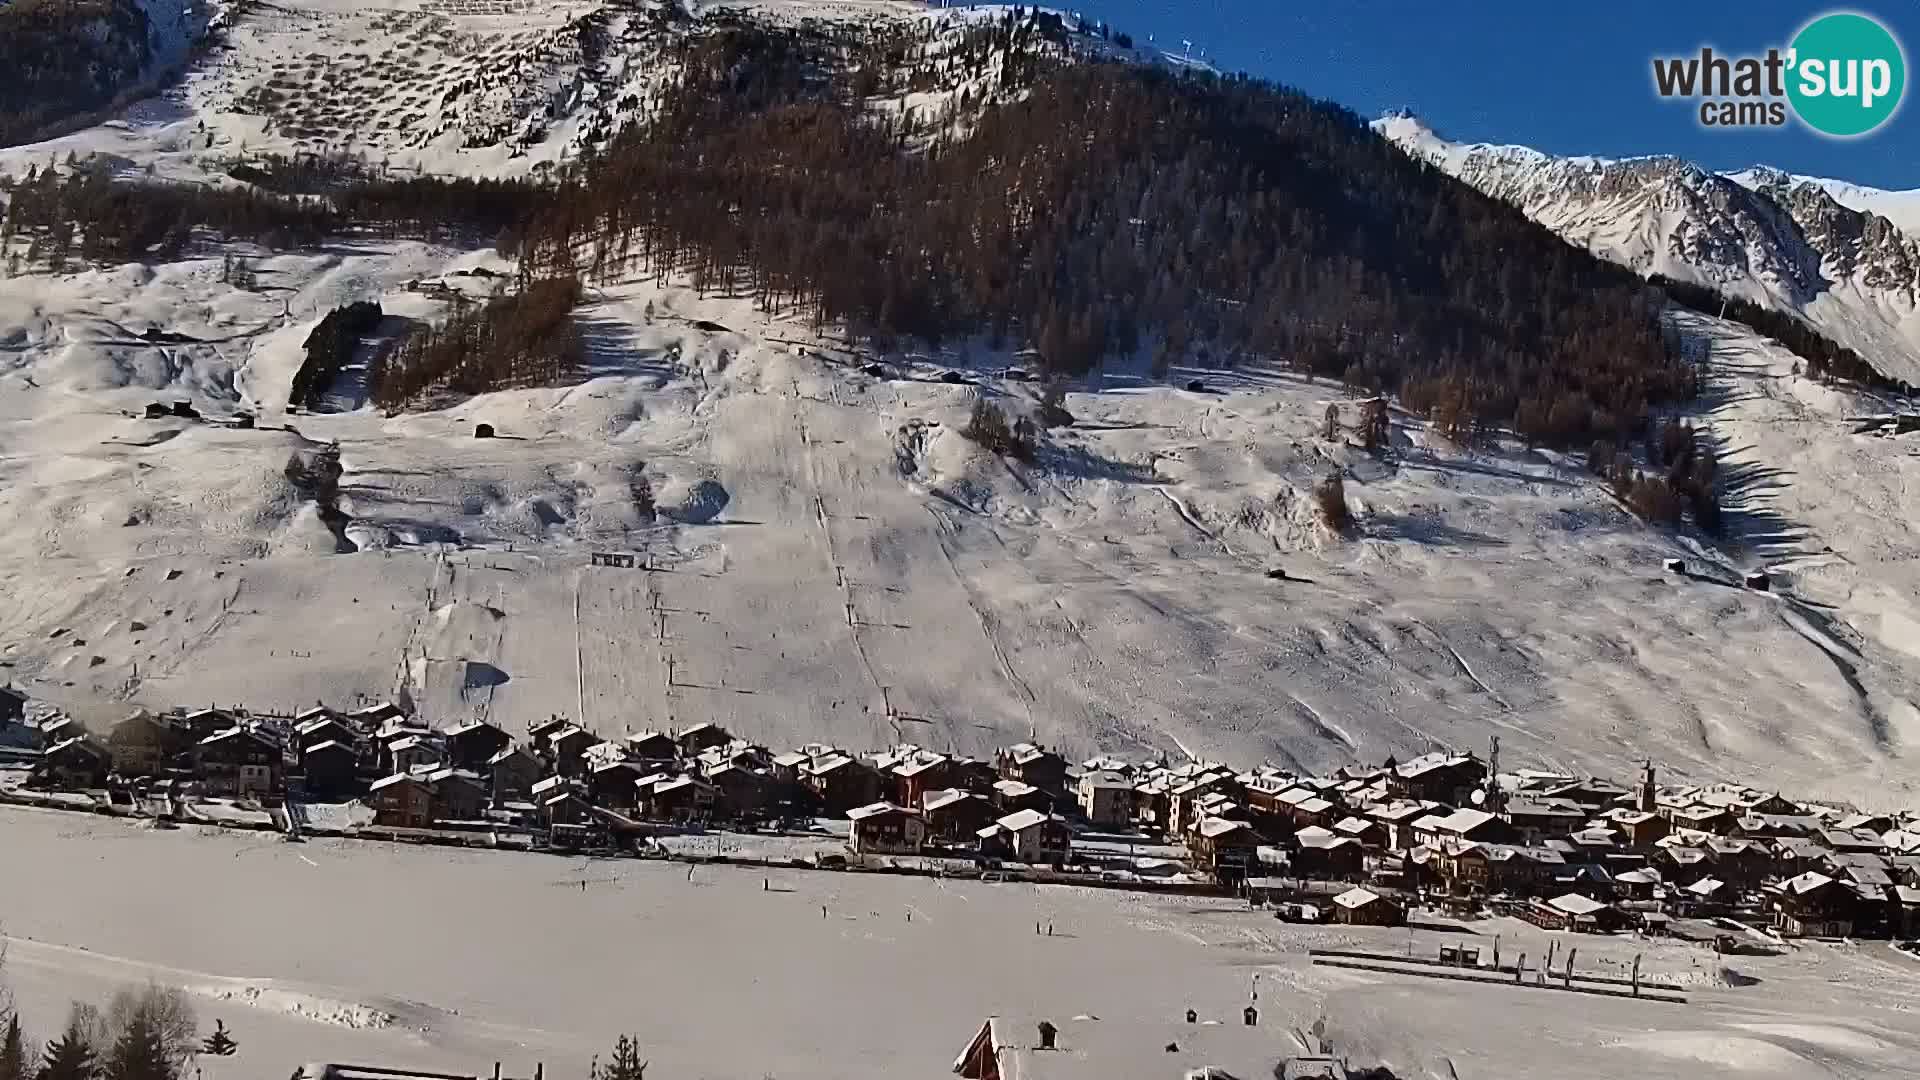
610	351
1748	516
1083	463
1426	530
1479	468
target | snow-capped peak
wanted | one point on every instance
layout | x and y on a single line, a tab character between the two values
1816	248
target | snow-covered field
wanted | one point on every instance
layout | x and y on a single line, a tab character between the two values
318	951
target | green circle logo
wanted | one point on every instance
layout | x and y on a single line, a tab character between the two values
1848	74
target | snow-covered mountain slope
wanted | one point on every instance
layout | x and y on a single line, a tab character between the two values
1900	207
827	545
1783	241
829	557
476	87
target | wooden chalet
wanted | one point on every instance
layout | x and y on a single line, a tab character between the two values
1028	836
954	816
700	737
472	744
457	795
1321	853
569	749
511	774
75	762
841	782
1813	905
1106	799
652	747
884	828
1364	907
1640	829
1225	848
1535	821
741	791
402	800
1012	795
1573	911
917	775
540	735
611	783
201	723
370	717
321	725
148	745
239	761
330	768
411	753
1437	777
1033	765
683	798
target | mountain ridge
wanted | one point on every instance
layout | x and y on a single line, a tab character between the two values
1761	234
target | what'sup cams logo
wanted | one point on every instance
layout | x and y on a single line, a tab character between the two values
1843	75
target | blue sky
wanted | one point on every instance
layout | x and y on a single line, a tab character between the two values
1565	78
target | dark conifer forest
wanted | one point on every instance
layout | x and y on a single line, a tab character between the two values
64	58
1110	209
329	349
525	338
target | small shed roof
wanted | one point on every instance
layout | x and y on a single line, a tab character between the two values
1706	886
1802	884
1576	905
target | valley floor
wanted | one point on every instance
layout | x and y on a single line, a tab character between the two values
450	960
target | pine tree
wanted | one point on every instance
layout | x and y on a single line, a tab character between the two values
140	1053
13	1054
219	1044
68	1058
625	1064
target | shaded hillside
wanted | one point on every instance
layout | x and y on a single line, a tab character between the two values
66	58
1111	208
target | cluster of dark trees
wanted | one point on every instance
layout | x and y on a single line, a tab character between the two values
85	212
1677	483
146	1034
330	348
988	425
623	1064
1111	209
64	59
302	173
524	338
1826	359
